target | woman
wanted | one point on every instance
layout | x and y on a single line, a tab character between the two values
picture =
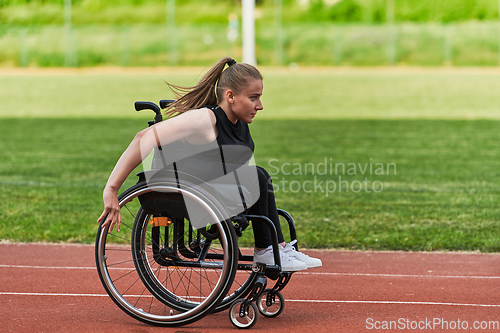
203	115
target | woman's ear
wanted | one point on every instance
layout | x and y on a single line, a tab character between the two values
230	96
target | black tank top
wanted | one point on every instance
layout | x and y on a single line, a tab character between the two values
229	133
234	149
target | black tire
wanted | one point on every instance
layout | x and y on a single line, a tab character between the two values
276	306
250	316
141	285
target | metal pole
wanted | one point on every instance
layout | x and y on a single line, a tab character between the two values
125	46
67	28
24	49
248	27
171	33
67	13
448	46
391	46
74	47
337	45
278	31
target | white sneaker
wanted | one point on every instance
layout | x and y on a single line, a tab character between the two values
294	254
287	264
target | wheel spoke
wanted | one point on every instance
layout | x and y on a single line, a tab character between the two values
142	278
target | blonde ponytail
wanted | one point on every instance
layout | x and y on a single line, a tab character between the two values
211	86
189	98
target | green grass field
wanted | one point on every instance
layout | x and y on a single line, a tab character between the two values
424	143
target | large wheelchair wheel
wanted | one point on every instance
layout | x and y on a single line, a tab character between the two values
184	242
149	272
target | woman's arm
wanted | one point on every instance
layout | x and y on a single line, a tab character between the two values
199	125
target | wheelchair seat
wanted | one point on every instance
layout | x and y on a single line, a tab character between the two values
232	197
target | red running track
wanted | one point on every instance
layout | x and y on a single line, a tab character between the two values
55	288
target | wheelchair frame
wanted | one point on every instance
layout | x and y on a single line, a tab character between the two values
172	274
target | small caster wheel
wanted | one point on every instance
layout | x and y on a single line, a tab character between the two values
243	316
270	305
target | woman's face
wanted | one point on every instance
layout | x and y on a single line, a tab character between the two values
246	103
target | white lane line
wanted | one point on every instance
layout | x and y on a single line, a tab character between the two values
298	273
396	302
404	275
46	267
288	300
66	267
51	294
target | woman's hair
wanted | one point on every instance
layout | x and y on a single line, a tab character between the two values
211	87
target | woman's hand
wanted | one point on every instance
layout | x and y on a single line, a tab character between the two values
111	210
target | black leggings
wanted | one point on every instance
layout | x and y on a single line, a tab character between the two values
266	206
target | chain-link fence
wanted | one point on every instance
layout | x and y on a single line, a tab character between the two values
461	44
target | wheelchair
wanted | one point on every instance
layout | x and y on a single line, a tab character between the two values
163	271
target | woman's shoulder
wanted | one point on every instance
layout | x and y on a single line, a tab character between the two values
215	109
216	112
196	117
